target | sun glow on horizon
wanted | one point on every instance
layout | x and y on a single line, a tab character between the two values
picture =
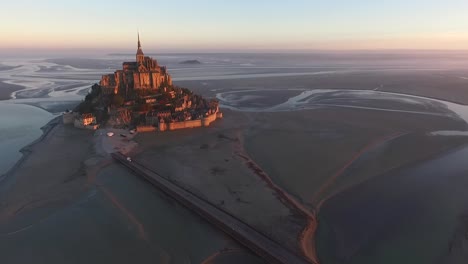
243	25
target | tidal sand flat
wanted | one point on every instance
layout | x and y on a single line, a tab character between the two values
211	162
283	161
421	220
6	67
445	84
318	153
309	152
65	203
7	89
301	152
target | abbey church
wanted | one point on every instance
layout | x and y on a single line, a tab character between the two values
144	73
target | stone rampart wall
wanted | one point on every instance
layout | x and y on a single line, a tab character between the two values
142	129
206	121
184	124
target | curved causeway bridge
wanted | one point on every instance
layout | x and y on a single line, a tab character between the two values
269	250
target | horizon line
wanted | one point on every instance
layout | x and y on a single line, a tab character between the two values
209	50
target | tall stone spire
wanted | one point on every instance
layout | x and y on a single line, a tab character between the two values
140	56
139	45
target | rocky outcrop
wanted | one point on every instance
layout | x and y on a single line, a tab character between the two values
190	62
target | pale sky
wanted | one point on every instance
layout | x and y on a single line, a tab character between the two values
215	25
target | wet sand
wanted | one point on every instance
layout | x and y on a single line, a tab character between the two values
277	171
316	154
302	150
421	221
209	163
92	210
295	154
7	89
239	164
6	67
447	85
51	173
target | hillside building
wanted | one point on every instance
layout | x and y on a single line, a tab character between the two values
144	73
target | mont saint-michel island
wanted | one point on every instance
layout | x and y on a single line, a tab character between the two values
141	95
225	132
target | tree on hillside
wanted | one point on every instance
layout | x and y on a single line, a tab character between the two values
117	100
85	107
96	90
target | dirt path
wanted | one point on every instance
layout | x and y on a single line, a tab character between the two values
307	247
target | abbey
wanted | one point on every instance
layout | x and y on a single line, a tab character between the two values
141	95
144	73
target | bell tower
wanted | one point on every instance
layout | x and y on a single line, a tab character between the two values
140	56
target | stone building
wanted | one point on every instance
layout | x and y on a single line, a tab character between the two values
87	121
144	73
153	118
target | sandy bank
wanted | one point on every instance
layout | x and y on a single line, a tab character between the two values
66	203
7	89
27	149
316	154
206	161
50	171
272	178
